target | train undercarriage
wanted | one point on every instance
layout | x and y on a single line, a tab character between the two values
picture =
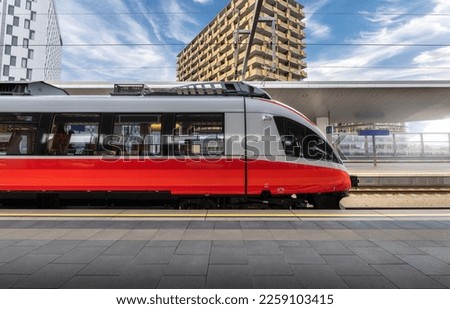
165	200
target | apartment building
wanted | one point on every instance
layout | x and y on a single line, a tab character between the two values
30	40
218	52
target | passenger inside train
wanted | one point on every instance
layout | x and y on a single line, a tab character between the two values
59	143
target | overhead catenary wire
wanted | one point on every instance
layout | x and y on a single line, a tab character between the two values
378	14
230	43
341	44
362	13
113	68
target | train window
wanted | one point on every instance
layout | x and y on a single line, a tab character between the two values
136	135
18	133
74	134
300	141
199	134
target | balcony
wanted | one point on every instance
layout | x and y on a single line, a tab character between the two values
283	68
241	4
297	53
258	50
303	74
282	57
302	64
282	26
247	9
282	6
297	13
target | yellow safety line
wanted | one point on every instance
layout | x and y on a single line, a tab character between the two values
218	215
101	215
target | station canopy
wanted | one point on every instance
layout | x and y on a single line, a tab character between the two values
341	102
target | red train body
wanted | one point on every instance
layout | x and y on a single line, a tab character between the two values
233	146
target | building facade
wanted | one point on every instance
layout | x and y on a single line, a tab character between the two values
31	41
277	54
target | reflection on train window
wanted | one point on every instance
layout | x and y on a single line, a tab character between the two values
136	135
300	141
17	133
74	134
199	134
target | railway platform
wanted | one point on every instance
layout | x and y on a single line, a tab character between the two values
396	184
225	249
401	174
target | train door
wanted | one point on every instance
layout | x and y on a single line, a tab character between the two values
264	155
235	149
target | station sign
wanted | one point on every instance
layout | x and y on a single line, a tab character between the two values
373	132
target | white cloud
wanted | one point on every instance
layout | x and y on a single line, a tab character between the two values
439	58
203	1
316	30
406	29
180	26
114	47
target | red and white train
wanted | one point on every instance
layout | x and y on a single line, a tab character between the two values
208	145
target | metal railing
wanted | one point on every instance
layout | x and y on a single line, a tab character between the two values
398	146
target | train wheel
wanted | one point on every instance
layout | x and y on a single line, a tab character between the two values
198	203
48	201
326	201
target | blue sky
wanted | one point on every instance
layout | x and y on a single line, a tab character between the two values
163	27
396	27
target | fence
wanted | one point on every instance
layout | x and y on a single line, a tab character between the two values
417	146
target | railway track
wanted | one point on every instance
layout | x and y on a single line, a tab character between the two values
400	190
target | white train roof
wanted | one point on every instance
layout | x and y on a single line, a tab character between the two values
374	101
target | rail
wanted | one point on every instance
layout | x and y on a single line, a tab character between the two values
399	190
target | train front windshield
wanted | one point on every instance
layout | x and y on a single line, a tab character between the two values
301	142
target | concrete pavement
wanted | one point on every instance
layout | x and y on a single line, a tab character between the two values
302	249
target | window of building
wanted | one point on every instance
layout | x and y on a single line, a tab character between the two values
17	133
26	24
12	61
300	141
28	5
7	49
31	54
29	74
9	29
14	40
10	10
199	134
74	134
17	3
32	34
25	43
11	79
6	70
16	21
135	135
33	16
24	63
